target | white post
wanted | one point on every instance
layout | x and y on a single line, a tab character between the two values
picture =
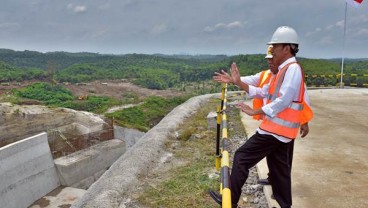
343	47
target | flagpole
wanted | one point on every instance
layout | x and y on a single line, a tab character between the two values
343	47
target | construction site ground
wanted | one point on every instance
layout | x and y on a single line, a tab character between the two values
110	88
330	165
116	89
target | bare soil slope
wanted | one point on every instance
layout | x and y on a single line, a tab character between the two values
117	90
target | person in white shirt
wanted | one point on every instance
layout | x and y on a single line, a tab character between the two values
259	80
284	112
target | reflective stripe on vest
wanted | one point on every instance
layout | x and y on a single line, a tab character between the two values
287	122
258	102
283	122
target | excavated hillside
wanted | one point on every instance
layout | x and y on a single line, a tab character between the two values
68	130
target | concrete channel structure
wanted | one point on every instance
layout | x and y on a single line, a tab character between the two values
32	171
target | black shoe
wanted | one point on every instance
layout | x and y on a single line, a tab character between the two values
264	181
215	196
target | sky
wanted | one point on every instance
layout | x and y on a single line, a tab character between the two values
228	27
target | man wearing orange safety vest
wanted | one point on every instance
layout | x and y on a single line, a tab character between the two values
259	80
284	112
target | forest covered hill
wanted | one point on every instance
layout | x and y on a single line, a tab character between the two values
156	71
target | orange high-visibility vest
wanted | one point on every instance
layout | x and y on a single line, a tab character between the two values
258	102
288	121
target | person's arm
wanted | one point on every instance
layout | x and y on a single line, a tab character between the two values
235	79
304	128
248	110
252	79
253	91
235	74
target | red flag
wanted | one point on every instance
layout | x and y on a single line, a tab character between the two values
354	3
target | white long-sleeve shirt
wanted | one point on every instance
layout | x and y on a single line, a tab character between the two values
289	92
252	79
255	80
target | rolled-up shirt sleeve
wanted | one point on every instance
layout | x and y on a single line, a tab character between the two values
257	92
289	91
252	79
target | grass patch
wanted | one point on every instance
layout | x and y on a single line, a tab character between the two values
147	115
58	96
187	185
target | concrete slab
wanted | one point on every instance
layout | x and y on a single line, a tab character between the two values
27	172
78	169
330	165
60	197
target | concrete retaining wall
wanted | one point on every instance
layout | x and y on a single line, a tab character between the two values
82	168
27	172
129	136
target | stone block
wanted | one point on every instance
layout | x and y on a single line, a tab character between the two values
212	120
85	163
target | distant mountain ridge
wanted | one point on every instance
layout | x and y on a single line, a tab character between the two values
157	71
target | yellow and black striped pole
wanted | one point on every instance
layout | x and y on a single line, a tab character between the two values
225	166
218	155
225	158
222	154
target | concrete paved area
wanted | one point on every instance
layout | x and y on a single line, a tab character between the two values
61	197
330	165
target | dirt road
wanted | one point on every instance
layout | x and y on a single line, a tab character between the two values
330	165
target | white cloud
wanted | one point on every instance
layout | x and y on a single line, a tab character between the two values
315	31
330	27
340	24
159	29
77	8
223	26
128	2
216	27
358	20
326	40
235	24
362	32
99	33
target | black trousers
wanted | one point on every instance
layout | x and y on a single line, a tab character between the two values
254	150
291	152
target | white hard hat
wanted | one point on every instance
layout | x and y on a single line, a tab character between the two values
269	52
284	34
